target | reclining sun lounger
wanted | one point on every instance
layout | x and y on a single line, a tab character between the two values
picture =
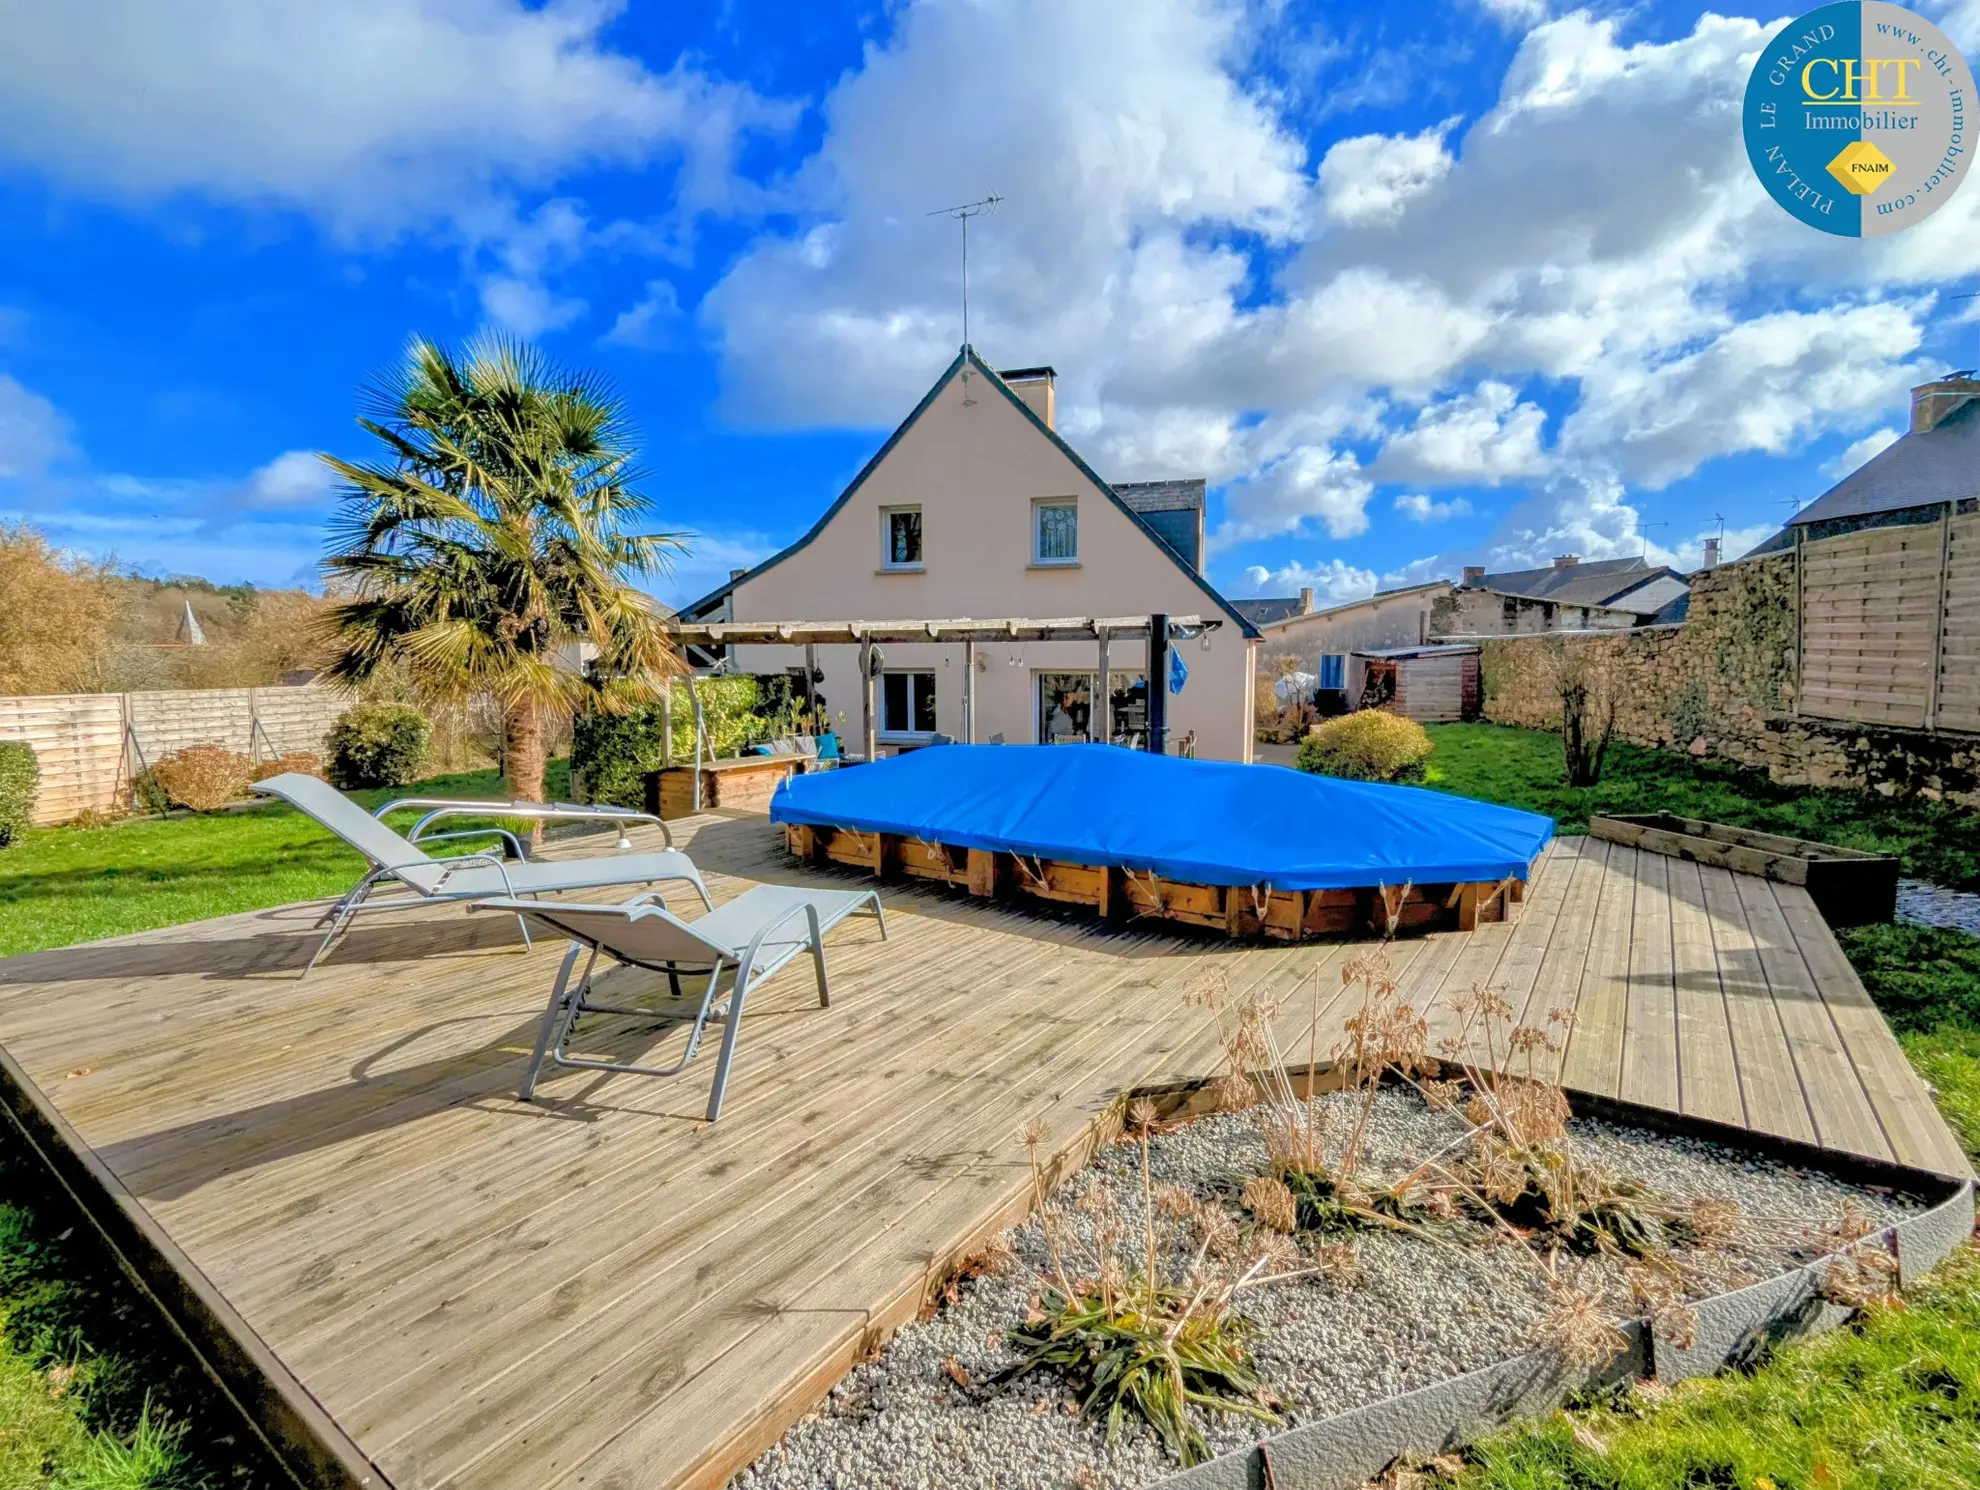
469	876
734	949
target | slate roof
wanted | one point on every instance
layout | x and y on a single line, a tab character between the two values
1941	465
1603	582
1174	509
1265	612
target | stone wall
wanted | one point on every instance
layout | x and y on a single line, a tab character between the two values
1471	611
1722	685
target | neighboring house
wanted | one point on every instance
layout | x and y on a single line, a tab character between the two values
1323	639
976	508
1568	595
1935	463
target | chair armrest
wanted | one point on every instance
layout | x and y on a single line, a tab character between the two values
462	860
514	843
445	807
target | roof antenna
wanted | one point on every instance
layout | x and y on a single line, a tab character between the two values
1974	295
962	215
1643	534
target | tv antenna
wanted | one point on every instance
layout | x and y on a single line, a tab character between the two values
1974	295
962	215
1643	535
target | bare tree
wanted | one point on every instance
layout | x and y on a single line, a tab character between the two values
1586	681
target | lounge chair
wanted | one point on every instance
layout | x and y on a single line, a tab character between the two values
733	949
468	876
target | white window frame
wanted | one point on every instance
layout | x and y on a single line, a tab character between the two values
1039	506
887	560
903	735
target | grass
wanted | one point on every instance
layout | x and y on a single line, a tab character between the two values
60	886
1892	1403
95	1394
1936	841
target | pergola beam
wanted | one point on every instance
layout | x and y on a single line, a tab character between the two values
884	633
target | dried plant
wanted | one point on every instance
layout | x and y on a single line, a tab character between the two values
1861	1270
1271	1203
1659	1295
1576	1325
1137	1340
203	777
299	762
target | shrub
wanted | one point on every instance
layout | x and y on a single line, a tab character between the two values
300	762
378	745
612	752
20	773
203	777
1369	745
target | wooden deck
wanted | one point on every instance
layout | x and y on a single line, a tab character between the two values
445	1287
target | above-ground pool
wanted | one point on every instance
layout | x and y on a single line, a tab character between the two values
1243	849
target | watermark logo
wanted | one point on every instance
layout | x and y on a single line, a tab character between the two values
1860	118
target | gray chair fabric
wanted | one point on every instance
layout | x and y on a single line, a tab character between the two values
395	858
731	950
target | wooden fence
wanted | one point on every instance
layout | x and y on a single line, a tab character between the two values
1890	625
90	745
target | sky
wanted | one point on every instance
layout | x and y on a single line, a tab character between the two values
1413	286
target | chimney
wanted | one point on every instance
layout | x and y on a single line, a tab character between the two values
1711	553
1566	561
1932	402
1306	601
1474	574
736	574
1037	388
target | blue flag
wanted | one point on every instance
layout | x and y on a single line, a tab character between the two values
1178	672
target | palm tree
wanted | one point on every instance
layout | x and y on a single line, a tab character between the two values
490	538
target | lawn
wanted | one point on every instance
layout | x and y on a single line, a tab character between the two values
1936	841
60	886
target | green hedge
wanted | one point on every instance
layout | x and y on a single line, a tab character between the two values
612	752
20	773
378	745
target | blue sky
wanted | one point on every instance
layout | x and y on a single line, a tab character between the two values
1414	286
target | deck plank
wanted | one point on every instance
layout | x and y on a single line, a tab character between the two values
1650	1033
1708	1071
1593	1060
1768	1081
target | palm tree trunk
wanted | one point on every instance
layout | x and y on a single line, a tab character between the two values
522	758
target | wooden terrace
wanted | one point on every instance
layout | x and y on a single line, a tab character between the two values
413	1280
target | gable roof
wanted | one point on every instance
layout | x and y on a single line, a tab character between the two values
967	358
1265	611
1603	582
1941	464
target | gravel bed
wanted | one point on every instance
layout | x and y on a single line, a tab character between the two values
1415	1311
1926	904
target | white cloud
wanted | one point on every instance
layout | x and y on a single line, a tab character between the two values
1860	451
1332	582
1370	179
1418	508
653	321
1484	436
525	308
295	479
1311	482
709	560
1517	15
373	115
33	433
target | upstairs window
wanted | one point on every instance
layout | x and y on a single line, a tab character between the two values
900	537
1055	532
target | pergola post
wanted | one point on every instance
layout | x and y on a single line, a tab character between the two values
1158	693
1102	712
969	692
868	705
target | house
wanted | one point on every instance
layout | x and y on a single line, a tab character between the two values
1934	463
977	508
1568	595
1323	639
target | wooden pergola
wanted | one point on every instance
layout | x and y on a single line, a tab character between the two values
1157	630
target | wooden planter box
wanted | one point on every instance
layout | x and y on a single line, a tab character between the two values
1850	887
745	783
1235	910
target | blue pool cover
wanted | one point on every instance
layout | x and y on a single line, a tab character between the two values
1200	822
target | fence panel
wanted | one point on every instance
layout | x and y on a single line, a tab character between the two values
84	748
1870	613
1959	628
78	738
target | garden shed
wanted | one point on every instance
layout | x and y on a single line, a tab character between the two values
1432	684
